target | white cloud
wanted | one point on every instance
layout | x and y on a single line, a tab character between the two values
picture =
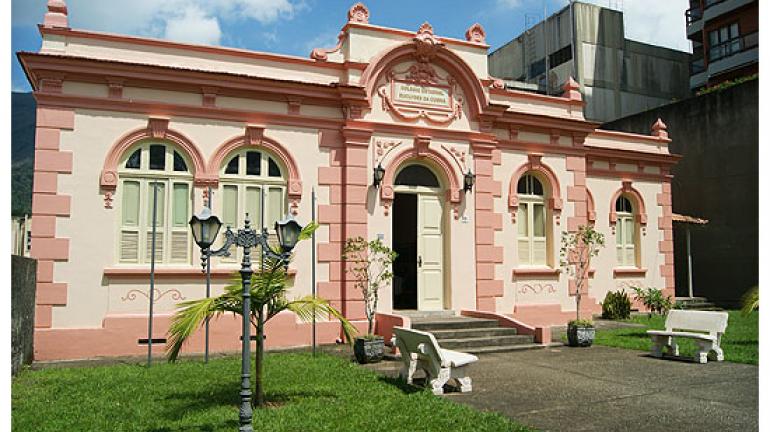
264	11
327	40
656	22
165	18
193	26
508	4
660	24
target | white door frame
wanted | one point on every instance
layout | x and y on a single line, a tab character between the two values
437	192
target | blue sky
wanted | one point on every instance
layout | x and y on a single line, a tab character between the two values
296	26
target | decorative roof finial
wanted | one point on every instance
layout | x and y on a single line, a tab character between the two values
426	43
358	13
476	34
56	15
572	90
659	129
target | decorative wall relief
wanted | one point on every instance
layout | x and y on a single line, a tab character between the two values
627	286
458	155
174	293
537	288
420	91
381	150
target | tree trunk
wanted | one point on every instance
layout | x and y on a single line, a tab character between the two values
259	396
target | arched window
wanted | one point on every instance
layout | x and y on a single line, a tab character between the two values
626	233
416	175
145	167
253	182
531	220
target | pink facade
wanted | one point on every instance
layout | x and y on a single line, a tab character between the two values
421	106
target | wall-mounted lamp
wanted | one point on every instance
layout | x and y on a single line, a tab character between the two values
379	174
469	181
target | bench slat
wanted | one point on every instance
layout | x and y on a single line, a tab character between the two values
681	334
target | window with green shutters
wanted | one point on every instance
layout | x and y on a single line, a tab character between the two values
626	233
531	221
251	181
145	169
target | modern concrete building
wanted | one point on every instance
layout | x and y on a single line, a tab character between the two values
617	76
725	40
265	132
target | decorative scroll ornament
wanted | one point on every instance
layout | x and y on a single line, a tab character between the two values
108	199
426	43
358	13
176	295
537	288
322	54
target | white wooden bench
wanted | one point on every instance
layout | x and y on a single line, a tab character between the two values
710	326
419	350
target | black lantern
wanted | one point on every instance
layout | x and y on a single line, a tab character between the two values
205	227
288	233
379	174
469	181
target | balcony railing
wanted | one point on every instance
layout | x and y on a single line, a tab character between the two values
733	46
693	14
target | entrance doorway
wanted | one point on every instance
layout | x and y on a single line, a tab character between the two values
418	239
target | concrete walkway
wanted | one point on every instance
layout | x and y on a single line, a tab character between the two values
612	389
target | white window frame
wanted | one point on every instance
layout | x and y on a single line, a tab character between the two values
622	243
242	182
526	215
145	177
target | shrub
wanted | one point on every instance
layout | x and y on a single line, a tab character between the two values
616	306
581	322
654	300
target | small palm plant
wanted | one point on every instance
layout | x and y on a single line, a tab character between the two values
268	299
750	301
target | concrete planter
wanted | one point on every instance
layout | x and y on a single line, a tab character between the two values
369	350
580	336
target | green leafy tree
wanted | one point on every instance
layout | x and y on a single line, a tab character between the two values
577	249
268	299
370	263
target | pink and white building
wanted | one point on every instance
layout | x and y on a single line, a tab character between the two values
265	131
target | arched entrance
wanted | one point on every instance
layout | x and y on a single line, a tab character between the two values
418	238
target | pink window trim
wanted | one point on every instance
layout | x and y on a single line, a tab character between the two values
590	206
157	128
525	272
421	152
171	273
629	271
254	137
640	214
535	164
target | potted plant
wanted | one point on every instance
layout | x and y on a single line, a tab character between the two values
370	263
577	249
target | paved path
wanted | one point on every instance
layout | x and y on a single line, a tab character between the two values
612	389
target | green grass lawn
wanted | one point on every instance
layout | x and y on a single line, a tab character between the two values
740	342
325	393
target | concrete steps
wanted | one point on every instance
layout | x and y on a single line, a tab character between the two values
696	303
473	335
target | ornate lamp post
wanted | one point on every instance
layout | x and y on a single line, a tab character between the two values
205	228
